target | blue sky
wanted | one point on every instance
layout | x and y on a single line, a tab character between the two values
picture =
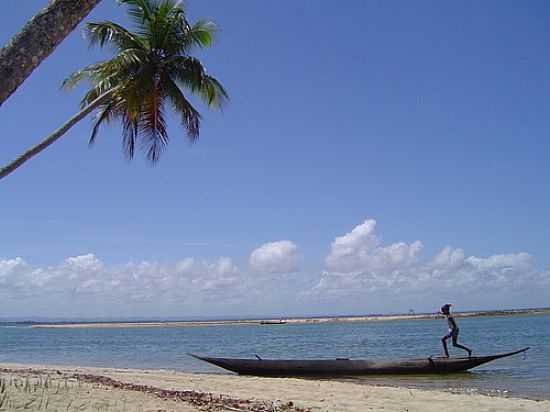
431	118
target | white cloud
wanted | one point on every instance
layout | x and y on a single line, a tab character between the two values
275	258
188	279
360	250
360	274
10	272
359	263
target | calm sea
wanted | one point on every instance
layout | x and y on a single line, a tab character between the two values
166	348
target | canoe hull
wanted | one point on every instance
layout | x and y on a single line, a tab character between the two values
350	367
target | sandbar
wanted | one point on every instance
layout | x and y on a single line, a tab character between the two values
284	321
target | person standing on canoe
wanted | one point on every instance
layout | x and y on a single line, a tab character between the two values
453	331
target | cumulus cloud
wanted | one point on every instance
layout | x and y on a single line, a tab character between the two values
202	285
360	273
275	258
10	269
361	250
134	281
358	262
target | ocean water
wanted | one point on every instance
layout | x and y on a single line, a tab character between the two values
167	348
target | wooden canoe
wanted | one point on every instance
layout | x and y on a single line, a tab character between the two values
350	367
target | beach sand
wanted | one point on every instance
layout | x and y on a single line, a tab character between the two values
156	390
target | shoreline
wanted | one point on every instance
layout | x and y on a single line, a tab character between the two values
231	392
280	321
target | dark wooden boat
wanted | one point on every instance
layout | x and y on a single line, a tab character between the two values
350	367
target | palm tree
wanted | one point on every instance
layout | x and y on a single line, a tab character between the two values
150	70
37	40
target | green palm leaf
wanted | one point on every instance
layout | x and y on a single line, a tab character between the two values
151	71
202	33
104	115
107	32
190	117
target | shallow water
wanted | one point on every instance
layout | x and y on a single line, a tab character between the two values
166	348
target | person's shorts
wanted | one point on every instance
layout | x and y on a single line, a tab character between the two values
453	333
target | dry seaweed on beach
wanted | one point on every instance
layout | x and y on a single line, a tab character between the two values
204	400
80	390
42	389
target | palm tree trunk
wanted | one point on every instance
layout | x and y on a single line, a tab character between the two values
37	40
37	148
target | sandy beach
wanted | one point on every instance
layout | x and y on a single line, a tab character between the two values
90	389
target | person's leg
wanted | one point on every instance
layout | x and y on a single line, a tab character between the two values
458	345
444	343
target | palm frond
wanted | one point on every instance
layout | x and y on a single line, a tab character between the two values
190	72
127	63
202	33
142	9
79	75
107	32
212	92
153	133
112	73
190	116
130	131
99	88
160	28
141	12
104	115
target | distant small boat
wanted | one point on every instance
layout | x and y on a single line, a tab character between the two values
350	367
272	322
